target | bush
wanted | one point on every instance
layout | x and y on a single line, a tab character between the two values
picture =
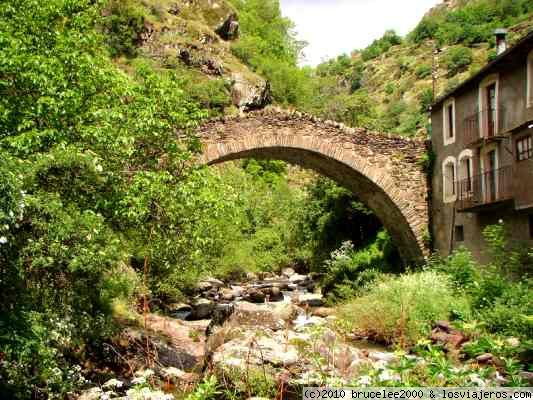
457	60
462	270
511	313
348	270
124	26
423	71
381	45
401	310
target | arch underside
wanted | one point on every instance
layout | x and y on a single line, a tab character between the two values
368	191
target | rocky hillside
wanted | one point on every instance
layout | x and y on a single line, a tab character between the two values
389	84
238	55
192	37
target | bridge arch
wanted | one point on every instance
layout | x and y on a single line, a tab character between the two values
382	170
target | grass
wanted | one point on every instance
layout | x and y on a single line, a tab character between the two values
400	310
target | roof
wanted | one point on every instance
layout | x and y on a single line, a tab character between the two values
524	43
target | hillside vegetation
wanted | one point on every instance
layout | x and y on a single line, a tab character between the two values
388	85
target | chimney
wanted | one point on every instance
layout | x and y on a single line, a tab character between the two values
501	41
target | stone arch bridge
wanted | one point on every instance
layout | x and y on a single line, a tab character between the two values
383	171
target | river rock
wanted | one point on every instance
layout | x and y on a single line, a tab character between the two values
251	276
203	286
323	312
444	333
382	356
248	314
298	279
285	312
254	296
238	291
274	294
227	294
202	309
179	344
288	272
256	348
310	299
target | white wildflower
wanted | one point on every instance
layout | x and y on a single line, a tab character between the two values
98	168
3	240
475	378
106	396
364	380
172	372
387	375
145	373
113	383
140	380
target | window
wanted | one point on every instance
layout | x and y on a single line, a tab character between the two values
492	175
466	173
449	179
524	148
530	80
491	109
459	233
531	226
488	105
449	116
448	112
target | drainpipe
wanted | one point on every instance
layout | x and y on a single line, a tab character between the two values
501	40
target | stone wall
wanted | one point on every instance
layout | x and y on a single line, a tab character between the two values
384	171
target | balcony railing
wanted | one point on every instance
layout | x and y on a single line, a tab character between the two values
484	124
487	188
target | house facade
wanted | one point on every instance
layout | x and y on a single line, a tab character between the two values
482	136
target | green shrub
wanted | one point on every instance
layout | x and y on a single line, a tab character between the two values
511	313
425	99
458	59
348	271
401	310
124	25
381	45
462	270
423	71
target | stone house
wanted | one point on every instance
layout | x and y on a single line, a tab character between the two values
482	136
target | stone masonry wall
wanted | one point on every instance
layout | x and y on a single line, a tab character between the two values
384	171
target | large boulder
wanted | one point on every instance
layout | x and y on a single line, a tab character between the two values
229	28
445	334
323	312
179	344
202	309
310	300
179	310
254	295
248	94
248	314
256	348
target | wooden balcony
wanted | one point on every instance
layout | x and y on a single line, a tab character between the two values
483	126
485	191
